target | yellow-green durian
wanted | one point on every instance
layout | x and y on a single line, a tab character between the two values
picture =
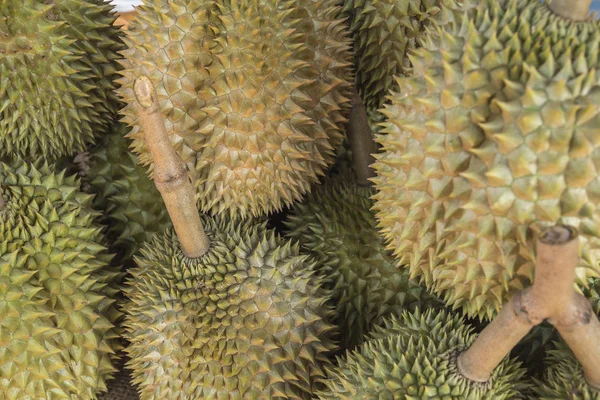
336	226
414	357
494	137
385	32
58	63
254	94
247	320
133	209
563	378
57	292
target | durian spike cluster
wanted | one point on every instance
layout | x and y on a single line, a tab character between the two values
254	106
57	292
552	297
493	137
385	32
58	64
132	207
336	226
413	356
223	309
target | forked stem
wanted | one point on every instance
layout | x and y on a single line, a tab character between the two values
361	141
551	297
575	10
170	175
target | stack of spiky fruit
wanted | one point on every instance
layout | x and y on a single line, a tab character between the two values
489	137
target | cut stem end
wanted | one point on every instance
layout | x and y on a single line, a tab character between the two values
575	10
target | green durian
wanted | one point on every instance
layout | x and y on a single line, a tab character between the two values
563	378
254	105
247	320
384	33
57	291
133	209
58	63
336	226
414	357
491	139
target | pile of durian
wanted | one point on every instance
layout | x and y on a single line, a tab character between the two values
300	199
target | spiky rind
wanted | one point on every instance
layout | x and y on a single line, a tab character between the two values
385	32
133	209
247	320
414	357
336	226
563	378
254	106
492	139
58	63
57	293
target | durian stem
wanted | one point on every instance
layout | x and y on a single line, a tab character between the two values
2	203
551	294
170	175
361	141
575	10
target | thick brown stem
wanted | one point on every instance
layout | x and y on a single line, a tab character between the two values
361	141
550	295
580	329
576	10
2	203
170	175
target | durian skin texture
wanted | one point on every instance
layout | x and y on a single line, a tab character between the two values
413	357
57	293
384	33
133	209
494	137
58	66
563	378
247	320
336	226
255	105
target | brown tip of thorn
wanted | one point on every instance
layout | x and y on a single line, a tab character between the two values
558	234
143	91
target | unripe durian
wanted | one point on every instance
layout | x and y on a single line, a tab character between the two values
385	32
246	320
255	106
493	138
132	208
57	293
564	378
57	71
414	357
336	226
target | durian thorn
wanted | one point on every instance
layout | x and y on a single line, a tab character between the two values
575	10
362	143
552	297
170	175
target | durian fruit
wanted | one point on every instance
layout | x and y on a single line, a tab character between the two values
58	63
414	357
563	378
219	308
493	138
254	105
132	208
336	226
57	293
384	33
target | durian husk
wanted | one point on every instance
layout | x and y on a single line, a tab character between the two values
492	139
132	207
255	107
57	314
413	356
335	225
58	66
247	320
